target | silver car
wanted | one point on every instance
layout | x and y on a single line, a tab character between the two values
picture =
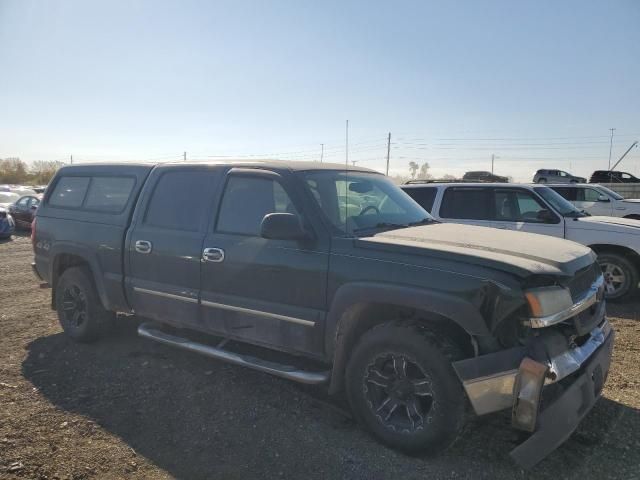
556	176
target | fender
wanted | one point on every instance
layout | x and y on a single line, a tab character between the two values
89	256
459	310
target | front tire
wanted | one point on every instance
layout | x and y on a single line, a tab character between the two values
402	387
542	180
80	311
620	275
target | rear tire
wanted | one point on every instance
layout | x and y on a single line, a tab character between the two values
80	311
542	180
620	275
402	387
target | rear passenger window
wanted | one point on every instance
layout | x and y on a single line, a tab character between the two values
247	200
109	194
424	196
69	192
180	200
567	192
466	203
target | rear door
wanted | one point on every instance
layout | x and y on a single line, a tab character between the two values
468	205
165	243
260	290
522	210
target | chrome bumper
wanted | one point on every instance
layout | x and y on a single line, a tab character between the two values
489	379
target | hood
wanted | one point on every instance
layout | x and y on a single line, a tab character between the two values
631	200
610	224
520	253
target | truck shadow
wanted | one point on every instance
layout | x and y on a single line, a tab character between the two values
199	418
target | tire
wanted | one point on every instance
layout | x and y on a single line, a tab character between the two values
437	412
79	308
620	275
542	180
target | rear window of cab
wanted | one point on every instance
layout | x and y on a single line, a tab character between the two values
108	194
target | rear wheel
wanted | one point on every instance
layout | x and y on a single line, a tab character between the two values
620	275
80	311
542	180
402	387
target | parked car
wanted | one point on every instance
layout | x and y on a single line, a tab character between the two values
7	225
7	198
598	200
483	177
539	209
556	176
24	210
412	317
612	176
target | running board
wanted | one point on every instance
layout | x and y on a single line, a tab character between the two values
289	372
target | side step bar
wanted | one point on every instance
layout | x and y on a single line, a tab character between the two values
148	330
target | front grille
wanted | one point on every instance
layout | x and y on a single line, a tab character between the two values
583	279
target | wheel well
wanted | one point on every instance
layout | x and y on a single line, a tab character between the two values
633	217
61	263
626	252
363	317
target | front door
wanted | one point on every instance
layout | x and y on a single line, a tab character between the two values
262	290
165	244
520	209
592	201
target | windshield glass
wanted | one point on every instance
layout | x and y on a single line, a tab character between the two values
361	202
610	192
562	206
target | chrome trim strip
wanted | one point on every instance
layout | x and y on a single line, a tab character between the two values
147	330
589	298
275	316
165	295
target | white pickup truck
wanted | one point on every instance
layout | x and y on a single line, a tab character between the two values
598	200
539	209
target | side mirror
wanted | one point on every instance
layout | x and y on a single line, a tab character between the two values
603	198
283	226
545	216
34	207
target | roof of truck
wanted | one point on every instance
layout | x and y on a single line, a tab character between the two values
288	164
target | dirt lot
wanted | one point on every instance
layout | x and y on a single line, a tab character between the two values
128	408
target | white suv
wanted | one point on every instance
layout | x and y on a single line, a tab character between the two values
599	200
539	209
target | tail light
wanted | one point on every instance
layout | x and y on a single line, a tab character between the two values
33	233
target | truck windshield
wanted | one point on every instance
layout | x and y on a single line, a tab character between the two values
560	205
360	203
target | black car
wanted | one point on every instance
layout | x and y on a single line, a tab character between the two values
482	176
613	176
337	277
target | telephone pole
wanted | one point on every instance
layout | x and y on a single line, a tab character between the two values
184	156
388	151
71	158
610	146
346	149
321	151
493	158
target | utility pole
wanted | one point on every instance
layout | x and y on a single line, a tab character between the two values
634	144
184	156
353	162
388	151
321	151
493	158
346	150
610	146
71	158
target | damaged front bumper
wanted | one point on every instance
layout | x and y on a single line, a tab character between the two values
568	384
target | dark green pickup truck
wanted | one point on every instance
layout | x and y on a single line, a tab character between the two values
334	276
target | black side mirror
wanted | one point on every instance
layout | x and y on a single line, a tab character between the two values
603	198
545	216
283	226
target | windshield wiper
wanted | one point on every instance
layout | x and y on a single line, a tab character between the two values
424	221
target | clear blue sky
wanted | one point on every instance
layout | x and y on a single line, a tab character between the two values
537	83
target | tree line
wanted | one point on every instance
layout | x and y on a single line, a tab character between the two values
16	171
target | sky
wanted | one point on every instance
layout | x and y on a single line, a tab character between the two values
536	83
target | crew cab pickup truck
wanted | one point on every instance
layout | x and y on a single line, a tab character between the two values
598	200
326	275
539	209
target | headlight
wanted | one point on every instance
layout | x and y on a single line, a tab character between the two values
546	301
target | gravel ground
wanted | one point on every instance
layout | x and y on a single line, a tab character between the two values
129	408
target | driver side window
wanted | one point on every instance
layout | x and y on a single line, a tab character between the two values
518	206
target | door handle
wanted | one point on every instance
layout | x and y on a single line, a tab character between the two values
143	246
213	255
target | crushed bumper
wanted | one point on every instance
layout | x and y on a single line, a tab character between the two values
559	419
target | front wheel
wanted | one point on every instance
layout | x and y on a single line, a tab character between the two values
542	180
402	387
620	275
